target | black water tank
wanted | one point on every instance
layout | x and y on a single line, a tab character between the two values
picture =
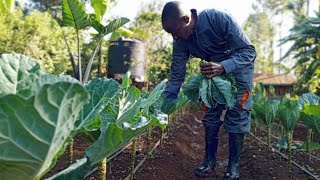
124	55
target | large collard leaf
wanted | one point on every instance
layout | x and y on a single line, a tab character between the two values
33	131
288	113
74	14
101	90
309	99
203	92
113	137
310	116
18	74
100	8
78	170
122	107
191	89
154	95
226	89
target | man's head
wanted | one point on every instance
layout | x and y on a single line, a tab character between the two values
176	20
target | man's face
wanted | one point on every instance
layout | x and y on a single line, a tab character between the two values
177	28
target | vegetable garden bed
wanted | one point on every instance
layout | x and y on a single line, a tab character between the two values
183	149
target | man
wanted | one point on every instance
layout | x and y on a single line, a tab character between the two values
216	37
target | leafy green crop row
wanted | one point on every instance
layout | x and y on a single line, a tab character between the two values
40	113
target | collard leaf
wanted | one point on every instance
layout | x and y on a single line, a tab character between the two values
113	138
122	107
288	114
191	89
227	90
33	131
154	95
74	14
309	99
78	170
310	116
101	90
266	111
126	81
18	74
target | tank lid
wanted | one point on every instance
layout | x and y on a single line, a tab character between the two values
123	39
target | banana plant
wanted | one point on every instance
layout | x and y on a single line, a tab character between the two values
7	5
266	111
38	112
288	113
74	15
305	100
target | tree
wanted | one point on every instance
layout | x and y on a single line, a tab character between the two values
261	32
36	35
306	51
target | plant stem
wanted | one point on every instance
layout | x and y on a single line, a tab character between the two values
88	68
102	169
71	152
133	157
269	135
289	134
309	143
79	57
149	139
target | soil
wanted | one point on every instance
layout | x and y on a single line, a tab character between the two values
183	149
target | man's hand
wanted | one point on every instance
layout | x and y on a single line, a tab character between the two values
168	105
211	69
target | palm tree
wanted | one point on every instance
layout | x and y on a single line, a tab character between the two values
306	50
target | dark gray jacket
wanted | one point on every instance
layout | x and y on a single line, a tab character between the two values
216	37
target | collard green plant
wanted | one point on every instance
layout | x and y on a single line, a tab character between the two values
266	111
35	125
289	114
311	117
123	119
305	100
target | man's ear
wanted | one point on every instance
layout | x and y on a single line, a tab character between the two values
186	19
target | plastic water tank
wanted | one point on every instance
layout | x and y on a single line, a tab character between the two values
124	55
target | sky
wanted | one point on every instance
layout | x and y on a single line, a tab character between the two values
240	9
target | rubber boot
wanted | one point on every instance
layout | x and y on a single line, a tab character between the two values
235	149
206	168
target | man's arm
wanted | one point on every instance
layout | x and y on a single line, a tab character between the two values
244	53
180	57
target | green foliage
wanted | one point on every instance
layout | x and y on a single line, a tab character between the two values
266	111
219	89
100	8
74	14
305	51
7	6
124	119
311	117
261	32
36	35
288	113
34	128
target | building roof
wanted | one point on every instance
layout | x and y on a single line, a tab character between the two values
275	79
